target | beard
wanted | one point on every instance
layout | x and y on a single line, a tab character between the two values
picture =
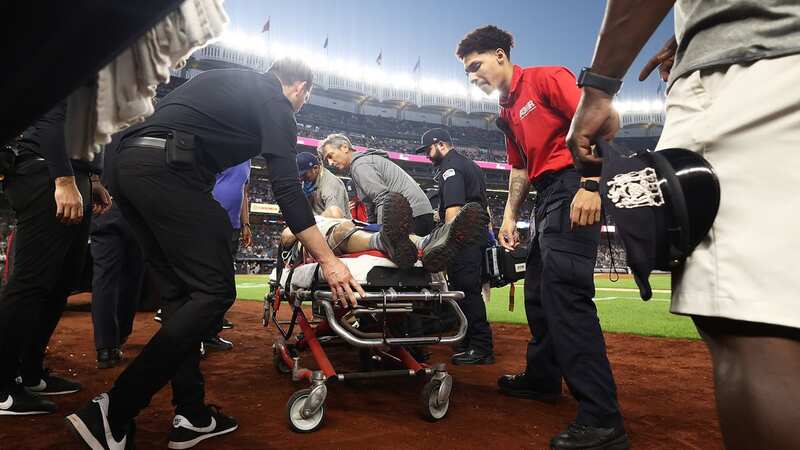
436	157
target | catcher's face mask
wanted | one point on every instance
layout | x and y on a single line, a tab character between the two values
663	204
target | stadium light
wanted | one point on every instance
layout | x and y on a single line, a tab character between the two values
255	44
639	106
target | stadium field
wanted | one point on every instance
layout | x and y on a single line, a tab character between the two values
620	308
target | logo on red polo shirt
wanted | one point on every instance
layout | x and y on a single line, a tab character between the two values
530	106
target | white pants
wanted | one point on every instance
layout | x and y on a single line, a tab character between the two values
745	120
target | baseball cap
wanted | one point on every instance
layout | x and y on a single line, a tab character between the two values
431	137
306	161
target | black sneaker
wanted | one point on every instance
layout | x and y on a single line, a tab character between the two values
108	357
20	402
472	357
90	425
50	384
226	324
158	317
522	386
185	435
446	241
216	343
584	437
396	224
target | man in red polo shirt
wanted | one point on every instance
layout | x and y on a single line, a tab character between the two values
537	105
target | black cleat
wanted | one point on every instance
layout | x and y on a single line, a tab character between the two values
186	435
397	219
584	437
226	324
446	241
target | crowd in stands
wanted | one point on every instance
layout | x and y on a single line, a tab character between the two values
608	253
395	134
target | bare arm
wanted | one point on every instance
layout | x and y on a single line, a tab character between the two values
245	213
518	188
627	26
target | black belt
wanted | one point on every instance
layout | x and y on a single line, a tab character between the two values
148	142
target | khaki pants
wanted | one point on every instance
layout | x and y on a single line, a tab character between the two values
745	120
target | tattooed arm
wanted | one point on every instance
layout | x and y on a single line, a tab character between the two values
518	188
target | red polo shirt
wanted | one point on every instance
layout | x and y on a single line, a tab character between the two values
538	109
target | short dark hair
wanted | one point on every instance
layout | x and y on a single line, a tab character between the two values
292	70
483	39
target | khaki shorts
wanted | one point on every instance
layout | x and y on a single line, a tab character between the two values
745	120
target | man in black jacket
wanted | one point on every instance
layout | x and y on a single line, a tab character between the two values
50	197
163	177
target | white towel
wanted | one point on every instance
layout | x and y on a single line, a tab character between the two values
126	86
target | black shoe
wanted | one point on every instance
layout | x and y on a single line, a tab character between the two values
584	437
186	435
446	241
472	357
217	343
521	386
226	324
50	385
461	347
396	221
90	425
158	316
20	402
108	357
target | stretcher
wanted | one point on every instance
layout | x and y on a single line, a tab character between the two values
374	327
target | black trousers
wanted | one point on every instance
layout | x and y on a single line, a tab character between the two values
567	340
234	242
464	274
185	237
116	280
49	257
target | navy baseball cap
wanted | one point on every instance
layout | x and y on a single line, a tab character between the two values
306	161
431	137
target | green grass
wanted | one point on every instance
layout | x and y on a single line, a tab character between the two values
619	311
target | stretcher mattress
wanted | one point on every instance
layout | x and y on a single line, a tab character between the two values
360	267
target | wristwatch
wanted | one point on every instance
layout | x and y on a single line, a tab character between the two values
606	84
590	185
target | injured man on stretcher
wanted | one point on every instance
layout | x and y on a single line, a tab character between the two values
394	237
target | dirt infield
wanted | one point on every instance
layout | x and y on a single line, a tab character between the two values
665	390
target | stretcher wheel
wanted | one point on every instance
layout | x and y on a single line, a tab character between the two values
434	409
294	408
280	366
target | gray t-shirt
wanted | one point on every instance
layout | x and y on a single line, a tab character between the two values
330	192
717	33
374	176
